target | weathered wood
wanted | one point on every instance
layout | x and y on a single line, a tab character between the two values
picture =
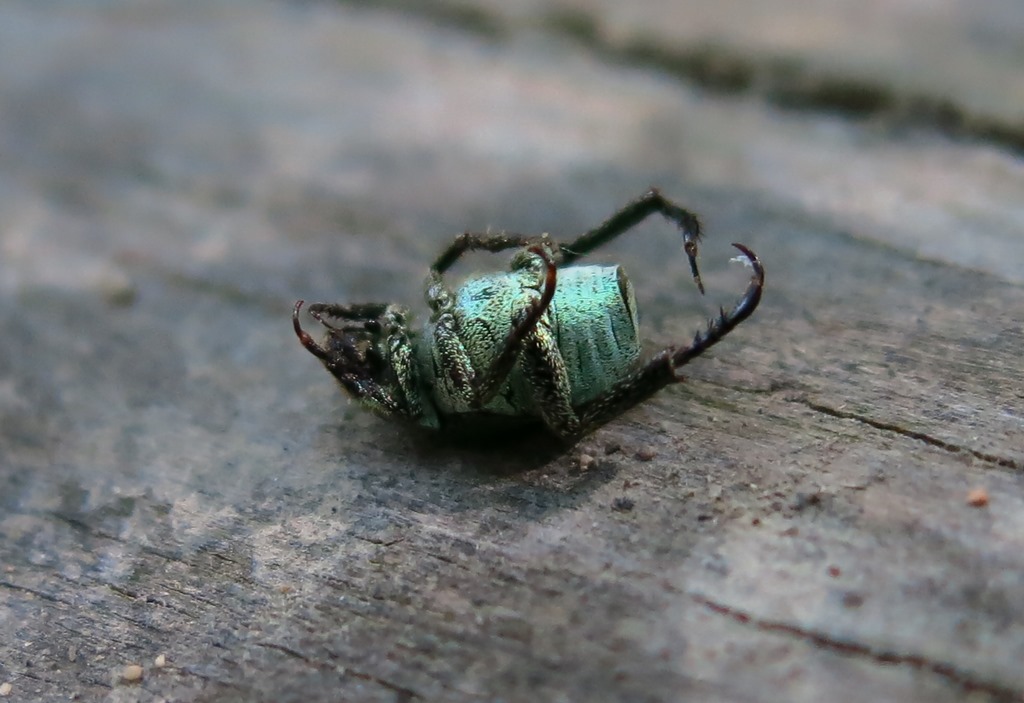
181	480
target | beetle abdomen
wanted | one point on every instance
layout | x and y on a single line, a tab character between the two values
593	317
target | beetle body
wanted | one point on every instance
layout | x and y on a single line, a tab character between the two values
543	340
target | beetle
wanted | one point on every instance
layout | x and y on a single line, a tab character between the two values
543	341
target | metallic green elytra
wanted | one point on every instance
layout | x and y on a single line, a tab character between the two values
544	340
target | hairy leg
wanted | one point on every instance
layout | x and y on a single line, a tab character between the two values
631	215
481	241
549	382
475	387
663	368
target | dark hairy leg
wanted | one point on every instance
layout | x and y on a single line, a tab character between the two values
663	368
481	241
477	386
492	379
631	215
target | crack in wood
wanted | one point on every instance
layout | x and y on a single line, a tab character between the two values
379	542
727	70
87	529
9	663
38	594
108	612
774	386
1004	462
53	682
100	638
119	590
207	678
295	654
403	694
968	682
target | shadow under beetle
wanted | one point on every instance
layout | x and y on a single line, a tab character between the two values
539	341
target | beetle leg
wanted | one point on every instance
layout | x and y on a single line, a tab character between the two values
481	241
631	215
304	337
401	361
440	296
726	321
490	382
361	311
663	368
545	371
366	316
473	386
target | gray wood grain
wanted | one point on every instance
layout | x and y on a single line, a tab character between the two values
181	480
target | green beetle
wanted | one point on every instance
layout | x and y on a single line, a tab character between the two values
541	341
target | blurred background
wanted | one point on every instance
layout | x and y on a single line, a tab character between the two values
181	478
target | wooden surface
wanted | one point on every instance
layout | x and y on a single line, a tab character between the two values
181	480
